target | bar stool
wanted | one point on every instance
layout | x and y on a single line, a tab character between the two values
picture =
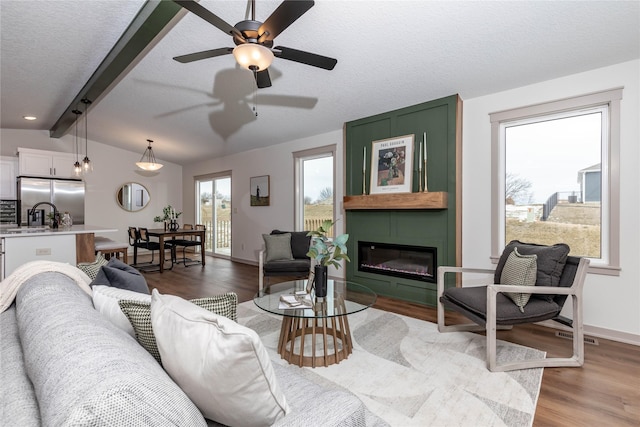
110	248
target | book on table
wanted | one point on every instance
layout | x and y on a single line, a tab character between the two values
295	301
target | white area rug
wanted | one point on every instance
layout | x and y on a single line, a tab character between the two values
409	374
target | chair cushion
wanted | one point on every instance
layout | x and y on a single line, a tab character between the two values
284	268
472	302
139	315
551	261
222	366
519	270
278	247
299	242
120	275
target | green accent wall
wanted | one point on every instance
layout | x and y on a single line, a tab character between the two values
422	227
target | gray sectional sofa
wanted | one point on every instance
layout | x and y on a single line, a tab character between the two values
62	363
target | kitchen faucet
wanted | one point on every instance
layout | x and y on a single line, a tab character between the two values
32	212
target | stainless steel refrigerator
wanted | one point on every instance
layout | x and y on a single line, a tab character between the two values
66	194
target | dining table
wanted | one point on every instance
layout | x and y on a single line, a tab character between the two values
168	235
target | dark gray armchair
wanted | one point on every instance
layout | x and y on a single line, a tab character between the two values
491	309
275	260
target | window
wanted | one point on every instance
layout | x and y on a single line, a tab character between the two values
314	187
556	178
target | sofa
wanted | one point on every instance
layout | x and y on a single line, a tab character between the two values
63	362
285	254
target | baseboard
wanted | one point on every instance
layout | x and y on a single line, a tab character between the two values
244	261
594	331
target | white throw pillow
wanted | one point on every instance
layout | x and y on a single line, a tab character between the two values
105	300
222	366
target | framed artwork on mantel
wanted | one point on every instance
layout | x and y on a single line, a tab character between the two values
259	190
392	165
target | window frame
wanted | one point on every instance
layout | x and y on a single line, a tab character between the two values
609	263
298	180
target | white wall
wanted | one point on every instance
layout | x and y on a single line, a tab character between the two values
611	303
112	168
250	222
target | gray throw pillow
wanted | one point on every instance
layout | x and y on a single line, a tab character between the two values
91	269
139	314
519	270
299	243
120	275
551	261
278	247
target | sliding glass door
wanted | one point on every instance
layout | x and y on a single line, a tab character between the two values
213	210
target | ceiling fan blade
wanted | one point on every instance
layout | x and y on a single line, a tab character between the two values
262	79
214	20
305	57
203	55
282	17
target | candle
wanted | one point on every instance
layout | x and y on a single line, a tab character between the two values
425	146
364	160
420	158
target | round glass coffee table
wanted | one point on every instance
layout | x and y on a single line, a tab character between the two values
315	332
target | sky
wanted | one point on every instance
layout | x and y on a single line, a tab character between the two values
549	154
318	175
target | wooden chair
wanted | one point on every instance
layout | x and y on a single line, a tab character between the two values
490	309
109	248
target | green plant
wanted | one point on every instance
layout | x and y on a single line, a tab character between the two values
168	214
325	250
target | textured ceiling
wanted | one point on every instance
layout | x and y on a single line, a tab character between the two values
390	54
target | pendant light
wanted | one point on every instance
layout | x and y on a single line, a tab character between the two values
87	166
77	169
150	163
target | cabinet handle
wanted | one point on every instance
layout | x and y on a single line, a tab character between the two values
50	171
54	171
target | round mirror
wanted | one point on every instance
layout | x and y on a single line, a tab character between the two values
132	196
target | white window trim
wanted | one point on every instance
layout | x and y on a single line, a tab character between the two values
298	157
611	98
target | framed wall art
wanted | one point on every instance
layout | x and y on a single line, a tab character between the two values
392	165
259	190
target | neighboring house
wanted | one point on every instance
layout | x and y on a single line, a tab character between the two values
589	180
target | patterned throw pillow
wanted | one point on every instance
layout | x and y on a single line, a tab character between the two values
519	270
91	269
278	247
139	314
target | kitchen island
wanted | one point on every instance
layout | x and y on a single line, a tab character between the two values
65	244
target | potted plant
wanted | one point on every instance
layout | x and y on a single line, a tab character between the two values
326	252
169	215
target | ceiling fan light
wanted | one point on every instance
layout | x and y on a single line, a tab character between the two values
253	55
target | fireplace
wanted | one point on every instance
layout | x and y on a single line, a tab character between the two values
411	262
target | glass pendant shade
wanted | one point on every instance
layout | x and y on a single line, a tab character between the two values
148	160
252	55
87	166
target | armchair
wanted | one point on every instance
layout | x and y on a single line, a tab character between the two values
294	263
489	308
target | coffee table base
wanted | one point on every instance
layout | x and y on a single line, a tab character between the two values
330	334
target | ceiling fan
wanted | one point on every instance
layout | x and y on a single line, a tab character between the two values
254	39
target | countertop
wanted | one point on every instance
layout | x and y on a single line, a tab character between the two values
13	231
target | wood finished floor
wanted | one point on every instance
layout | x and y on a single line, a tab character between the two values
604	392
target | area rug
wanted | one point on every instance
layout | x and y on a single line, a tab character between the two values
409	374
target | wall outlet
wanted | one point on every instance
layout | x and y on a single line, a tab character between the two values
43	251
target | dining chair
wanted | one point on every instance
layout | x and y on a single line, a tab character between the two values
144	242
190	242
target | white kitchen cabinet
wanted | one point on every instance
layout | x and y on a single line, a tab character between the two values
8	170
59	248
46	163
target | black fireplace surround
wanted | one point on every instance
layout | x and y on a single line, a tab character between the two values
411	262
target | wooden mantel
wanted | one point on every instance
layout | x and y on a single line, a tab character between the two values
396	201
